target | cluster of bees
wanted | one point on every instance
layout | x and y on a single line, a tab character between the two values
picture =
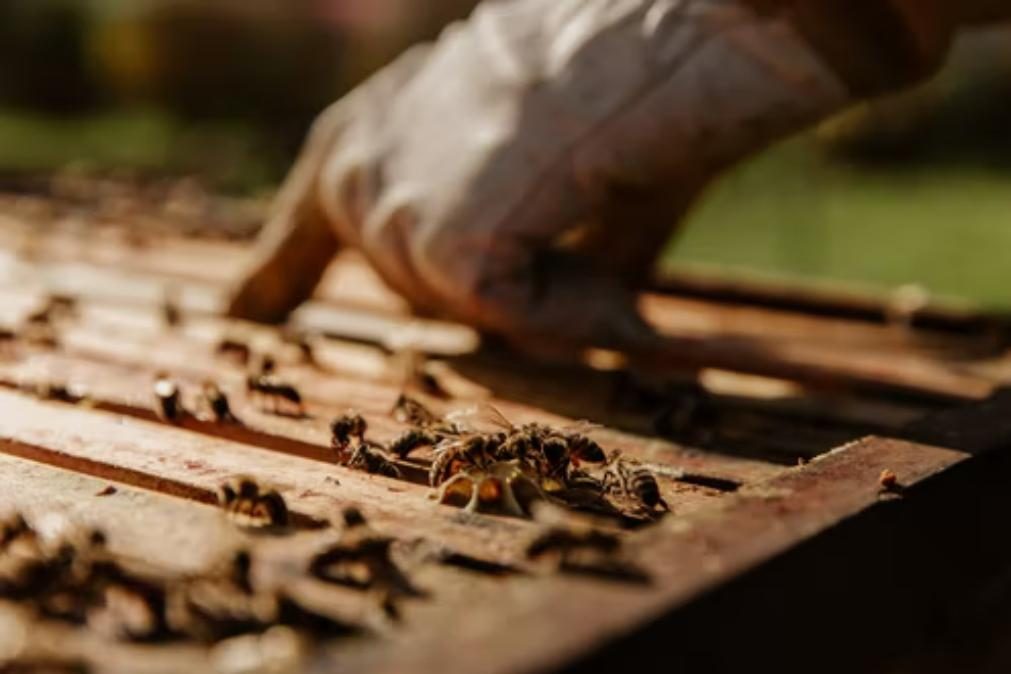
78	580
482	462
479	460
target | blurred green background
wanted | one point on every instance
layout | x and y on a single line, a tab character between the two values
914	189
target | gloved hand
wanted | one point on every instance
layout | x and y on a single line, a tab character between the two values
523	173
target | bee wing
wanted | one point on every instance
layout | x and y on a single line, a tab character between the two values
581	427
479	418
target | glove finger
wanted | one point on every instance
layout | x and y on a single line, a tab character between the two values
564	302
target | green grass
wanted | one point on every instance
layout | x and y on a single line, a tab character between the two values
791	213
229	155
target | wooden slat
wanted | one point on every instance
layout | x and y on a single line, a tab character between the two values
749	340
722	566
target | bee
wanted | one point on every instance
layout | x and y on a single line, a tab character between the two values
57	392
549	451
284	398
346	427
583	449
41	317
170	313
564	541
429	384
29	568
362	559
218	403
235	350
408	410
14	528
412	440
41	335
582	491
453	455
578	479
635	481
221	602
248	505
130	608
586	551
370	458
56	306
63	304
166	392
353	518
239	571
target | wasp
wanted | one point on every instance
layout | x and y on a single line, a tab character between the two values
284	398
166	393
249	505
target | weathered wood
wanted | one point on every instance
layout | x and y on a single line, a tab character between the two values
747	340
760	566
828	302
180	463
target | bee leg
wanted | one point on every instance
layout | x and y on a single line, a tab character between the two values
509	503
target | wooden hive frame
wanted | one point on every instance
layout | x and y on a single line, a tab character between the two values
784	548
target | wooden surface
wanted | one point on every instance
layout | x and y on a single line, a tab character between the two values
803	412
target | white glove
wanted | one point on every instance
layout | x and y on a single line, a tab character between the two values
524	172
